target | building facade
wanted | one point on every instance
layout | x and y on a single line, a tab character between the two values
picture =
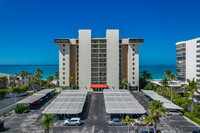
188	60
98	63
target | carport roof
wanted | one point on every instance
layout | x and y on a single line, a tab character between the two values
36	96
68	102
121	102
166	103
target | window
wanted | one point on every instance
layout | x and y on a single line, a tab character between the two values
63	73
63	64
63	50
133	73
133	59
133	54
198	41
133	82
63	77
133	63
63	54
63	45
64	82
63	68
133	77
133	49
133	68
63	59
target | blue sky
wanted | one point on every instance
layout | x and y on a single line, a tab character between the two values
28	27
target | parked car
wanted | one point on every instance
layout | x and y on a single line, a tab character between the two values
174	112
36	103
73	122
116	122
151	130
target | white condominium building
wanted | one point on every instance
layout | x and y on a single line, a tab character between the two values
99	63
188	60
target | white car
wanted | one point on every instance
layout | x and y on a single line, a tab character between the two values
73	122
174	112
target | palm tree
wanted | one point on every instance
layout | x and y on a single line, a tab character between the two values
128	121
168	73
50	79
148	121
144	77
12	84
38	76
191	87
125	82
47	121
165	85
156	111
23	74
57	77
71	78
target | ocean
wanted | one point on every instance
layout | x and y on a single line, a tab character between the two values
157	71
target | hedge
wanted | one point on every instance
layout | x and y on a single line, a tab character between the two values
191	117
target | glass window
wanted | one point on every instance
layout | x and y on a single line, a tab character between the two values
63	77
63	68
133	63
133	59
133	82
133	54
133	77
198	41
63	54
63	73
63	59
63	49
63	45
133	68
63	64
64	82
133	73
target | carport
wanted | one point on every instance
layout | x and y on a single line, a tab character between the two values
67	103
122	102
166	103
36	96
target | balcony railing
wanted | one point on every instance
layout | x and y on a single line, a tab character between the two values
62	41
136	40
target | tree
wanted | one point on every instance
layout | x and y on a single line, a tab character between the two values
33	81
4	80
71	79
38	76
165	84
148	121
168	73
144	77
57	77
47	121
12	84
151	86
23	74
50	79
156	111
128	121
125	82
196	110
191	87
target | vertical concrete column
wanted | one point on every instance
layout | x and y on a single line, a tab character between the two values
84	59
64	64
112	37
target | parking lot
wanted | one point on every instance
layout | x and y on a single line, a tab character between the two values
95	119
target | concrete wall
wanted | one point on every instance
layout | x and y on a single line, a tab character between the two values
84	59
112	37
133	65
64	69
191	59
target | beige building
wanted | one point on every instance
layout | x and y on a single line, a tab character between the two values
99	63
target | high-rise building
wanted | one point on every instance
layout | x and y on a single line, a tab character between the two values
188	60
98	63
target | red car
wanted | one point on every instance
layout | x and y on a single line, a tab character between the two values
35	103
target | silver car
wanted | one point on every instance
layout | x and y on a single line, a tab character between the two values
73	122
174	112
115	122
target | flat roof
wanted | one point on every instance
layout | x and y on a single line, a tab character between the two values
166	103
36	96
121	102
4	74
67	102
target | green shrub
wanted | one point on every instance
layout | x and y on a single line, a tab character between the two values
185	94
21	108
191	117
2	93
196	111
151	86
20	89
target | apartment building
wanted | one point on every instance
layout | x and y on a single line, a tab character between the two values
188	60
99	63
20	81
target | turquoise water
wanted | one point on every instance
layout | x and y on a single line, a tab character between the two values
49	70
